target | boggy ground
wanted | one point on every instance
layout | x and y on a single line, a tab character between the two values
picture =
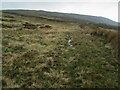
42	57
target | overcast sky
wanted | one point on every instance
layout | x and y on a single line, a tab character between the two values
104	8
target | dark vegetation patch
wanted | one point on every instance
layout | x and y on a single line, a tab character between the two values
12	49
8	16
32	26
6	26
29	25
11	25
45	26
8	20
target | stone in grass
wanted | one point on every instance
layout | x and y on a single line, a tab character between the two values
108	46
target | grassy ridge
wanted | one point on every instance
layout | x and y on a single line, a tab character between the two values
42	58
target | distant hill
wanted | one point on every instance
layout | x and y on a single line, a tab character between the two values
64	16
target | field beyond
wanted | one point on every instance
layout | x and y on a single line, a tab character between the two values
49	53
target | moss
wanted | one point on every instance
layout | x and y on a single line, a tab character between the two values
12	49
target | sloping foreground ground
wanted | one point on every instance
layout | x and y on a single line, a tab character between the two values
40	56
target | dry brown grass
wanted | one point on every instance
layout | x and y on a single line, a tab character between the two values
84	32
94	32
82	25
111	36
100	32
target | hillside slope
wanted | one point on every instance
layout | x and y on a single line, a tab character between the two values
39	53
64	16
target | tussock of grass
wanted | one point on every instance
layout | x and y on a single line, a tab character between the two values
111	36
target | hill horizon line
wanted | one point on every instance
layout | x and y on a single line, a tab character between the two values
82	18
62	13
